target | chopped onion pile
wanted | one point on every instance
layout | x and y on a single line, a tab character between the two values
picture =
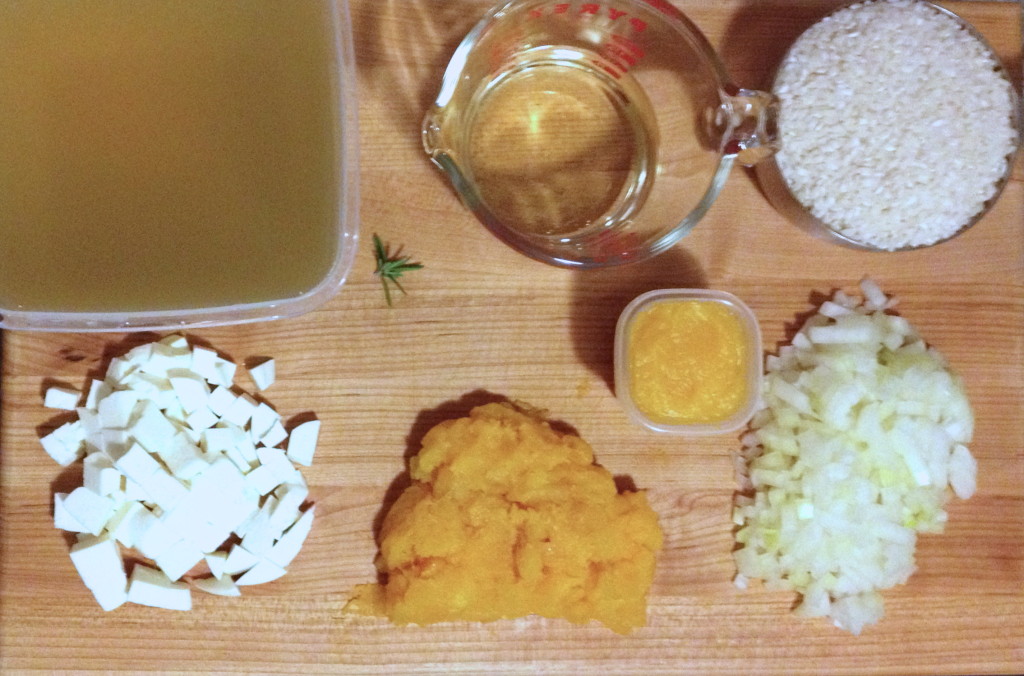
183	469
863	431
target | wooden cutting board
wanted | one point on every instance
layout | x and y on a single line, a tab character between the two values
482	321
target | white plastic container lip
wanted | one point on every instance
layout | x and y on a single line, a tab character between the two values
752	332
347	161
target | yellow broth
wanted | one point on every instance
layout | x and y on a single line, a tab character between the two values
165	154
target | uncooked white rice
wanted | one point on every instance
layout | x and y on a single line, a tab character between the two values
896	123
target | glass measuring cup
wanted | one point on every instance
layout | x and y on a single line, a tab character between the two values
589	134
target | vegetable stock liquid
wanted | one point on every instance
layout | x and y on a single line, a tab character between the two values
165	154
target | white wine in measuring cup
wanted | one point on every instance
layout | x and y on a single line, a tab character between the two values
589	134
559	146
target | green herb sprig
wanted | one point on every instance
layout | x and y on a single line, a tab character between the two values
391	266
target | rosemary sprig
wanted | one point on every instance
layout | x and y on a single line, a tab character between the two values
390	267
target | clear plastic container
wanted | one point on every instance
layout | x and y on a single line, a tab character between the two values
236	160
752	369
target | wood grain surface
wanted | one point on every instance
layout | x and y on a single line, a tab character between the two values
482	322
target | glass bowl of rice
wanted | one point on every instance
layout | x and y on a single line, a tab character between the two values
898	127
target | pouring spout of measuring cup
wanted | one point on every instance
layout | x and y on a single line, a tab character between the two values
748	119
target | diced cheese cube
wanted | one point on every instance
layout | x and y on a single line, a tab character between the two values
97	390
240	411
182	457
122	526
149	587
61	518
263	418
90	420
263	374
262	480
151	536
264	571
290	498
164	489
275	435
186	517
288	546
55	446
134	491
63	398
239	560
99	564
219	586
278	463
164	358
260	535
89	509
190	388
114	443
139	354
302	442
204	362
215	562
179	558
221	400
202	418
209	536
176	341
99	474
137	464
226	371
118	369
116	409
152	429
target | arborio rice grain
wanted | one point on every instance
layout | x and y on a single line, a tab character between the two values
896	123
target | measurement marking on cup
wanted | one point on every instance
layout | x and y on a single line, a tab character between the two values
621	52
591	9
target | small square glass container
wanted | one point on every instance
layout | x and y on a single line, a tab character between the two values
751	337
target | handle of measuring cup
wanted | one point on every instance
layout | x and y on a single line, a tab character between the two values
750	121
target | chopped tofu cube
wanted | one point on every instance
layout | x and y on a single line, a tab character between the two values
239	560
219	586
89	509
62	519
99	474
139	354
226	371
63	398
263	374
165	358
264	571
302	442
288	546
99	564
149	587
179	558
90	421
204	362
176	341
134	491
260	535
215	562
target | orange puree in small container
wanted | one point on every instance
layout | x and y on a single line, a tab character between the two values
687	361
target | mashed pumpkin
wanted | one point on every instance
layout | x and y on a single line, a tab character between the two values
506	517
